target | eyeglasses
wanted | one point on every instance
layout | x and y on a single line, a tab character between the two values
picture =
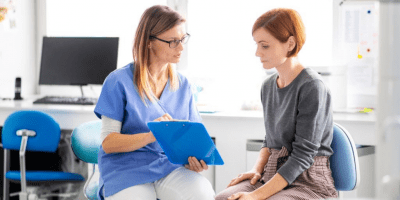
174	43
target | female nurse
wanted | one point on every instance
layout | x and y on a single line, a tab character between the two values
294	160
132	164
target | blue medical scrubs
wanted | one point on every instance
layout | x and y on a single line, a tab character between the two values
119	100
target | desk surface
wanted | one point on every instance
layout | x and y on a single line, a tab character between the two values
10	106
28	105
350	117
68	116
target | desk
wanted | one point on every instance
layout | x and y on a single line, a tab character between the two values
68	116
230	129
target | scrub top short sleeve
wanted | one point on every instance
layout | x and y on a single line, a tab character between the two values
112	99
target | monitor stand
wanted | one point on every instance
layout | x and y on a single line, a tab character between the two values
83	96
87	99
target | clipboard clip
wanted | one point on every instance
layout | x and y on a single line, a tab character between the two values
180	120
177	120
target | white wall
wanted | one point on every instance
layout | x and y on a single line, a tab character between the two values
388	128
17	51
221	52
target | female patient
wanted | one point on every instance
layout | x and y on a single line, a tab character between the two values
132	164
294	159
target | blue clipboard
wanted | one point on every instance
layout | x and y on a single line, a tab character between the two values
181	139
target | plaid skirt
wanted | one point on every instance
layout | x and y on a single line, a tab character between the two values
314	183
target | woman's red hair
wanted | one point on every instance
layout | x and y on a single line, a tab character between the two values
283	23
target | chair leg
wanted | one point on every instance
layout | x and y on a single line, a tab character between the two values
6	182
23	196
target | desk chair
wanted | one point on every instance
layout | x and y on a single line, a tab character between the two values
33	131
85	142
344	161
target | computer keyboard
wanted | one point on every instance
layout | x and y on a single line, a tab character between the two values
66	100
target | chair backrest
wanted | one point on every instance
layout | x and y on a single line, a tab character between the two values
86	141
344	161
47	131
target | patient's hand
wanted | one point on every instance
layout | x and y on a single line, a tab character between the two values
195	165
242	196
252	175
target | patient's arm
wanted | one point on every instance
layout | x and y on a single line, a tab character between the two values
274	185
262	160
255	174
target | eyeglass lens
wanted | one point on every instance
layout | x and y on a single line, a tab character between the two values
175	43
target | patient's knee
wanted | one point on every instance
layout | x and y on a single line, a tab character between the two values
223	195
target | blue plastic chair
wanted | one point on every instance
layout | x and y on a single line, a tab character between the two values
85	142
344	161
33	131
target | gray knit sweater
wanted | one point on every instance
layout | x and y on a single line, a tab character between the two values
299	117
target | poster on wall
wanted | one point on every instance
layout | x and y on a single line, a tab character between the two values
359	35
8	11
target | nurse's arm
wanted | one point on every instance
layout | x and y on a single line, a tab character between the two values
118	143
115	142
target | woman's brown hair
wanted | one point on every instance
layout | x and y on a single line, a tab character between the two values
283	23
154	21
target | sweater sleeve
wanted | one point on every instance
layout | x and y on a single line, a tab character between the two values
312	115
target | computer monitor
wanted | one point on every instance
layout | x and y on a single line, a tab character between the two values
77	60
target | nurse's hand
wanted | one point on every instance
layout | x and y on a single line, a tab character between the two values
195	165
165	117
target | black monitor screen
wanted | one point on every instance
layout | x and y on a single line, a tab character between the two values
77	61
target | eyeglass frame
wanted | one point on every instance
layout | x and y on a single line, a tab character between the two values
171	41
